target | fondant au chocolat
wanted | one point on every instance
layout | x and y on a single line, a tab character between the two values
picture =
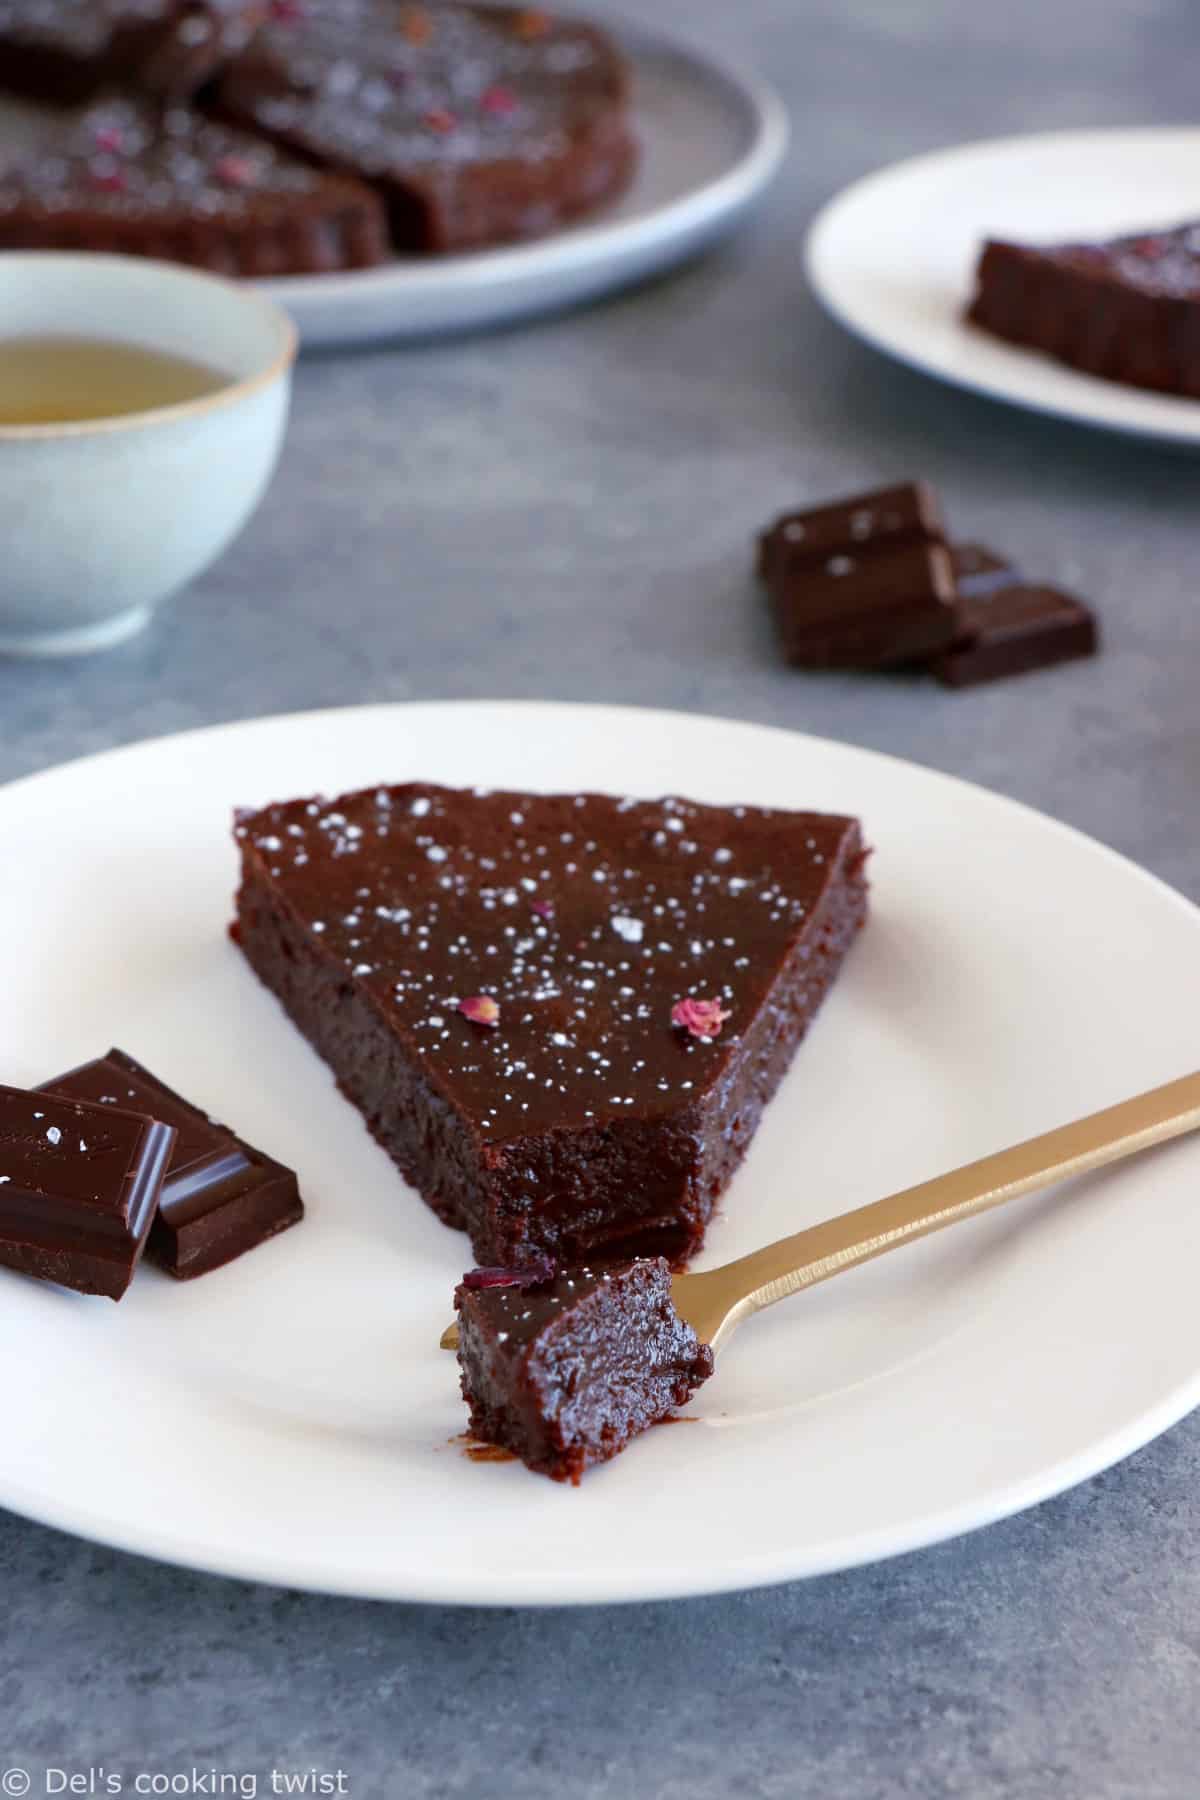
561	1015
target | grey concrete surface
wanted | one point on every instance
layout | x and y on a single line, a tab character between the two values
564	511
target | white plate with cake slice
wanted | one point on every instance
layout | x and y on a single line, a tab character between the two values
290	1418
893	257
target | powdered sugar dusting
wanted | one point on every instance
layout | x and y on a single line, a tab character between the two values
653	902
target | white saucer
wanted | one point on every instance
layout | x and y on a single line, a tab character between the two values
892	257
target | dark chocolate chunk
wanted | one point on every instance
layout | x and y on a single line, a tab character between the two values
1011	629
906	514
867	611
220	1198
565	1373
79	1186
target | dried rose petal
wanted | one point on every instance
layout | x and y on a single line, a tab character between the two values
543	908
440	120
286	12
110	138
498	100
481	1009
537	1269
235	171
703	1018
416	25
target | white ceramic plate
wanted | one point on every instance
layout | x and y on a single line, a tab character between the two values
290	1418
893	256
710	142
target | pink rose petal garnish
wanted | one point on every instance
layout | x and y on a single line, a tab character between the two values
235	171
499	100
703	1018
531	23
286	12
416	25
440	120
110	138
481	1009
537	1269
543	908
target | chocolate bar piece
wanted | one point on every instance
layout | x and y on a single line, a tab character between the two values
220	1197
872	611
1008	625
907	514
865	583
79	1186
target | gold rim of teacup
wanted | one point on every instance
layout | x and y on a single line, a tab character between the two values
182	409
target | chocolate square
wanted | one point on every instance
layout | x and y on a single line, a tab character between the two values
881	520
873	611
221	1197
1014	628
79	1186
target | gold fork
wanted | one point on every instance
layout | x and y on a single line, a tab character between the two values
715	1301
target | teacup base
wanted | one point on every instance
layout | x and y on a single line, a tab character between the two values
81	640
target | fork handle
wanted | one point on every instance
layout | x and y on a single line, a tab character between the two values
1104	1137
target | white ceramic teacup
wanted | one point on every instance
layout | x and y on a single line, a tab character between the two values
102	520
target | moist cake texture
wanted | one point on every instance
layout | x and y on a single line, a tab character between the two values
220	1197
562	1015
565	1371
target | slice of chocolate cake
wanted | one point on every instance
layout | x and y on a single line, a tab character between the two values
127	178
479	125
67	51
565	1371
562	1015
1128	310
